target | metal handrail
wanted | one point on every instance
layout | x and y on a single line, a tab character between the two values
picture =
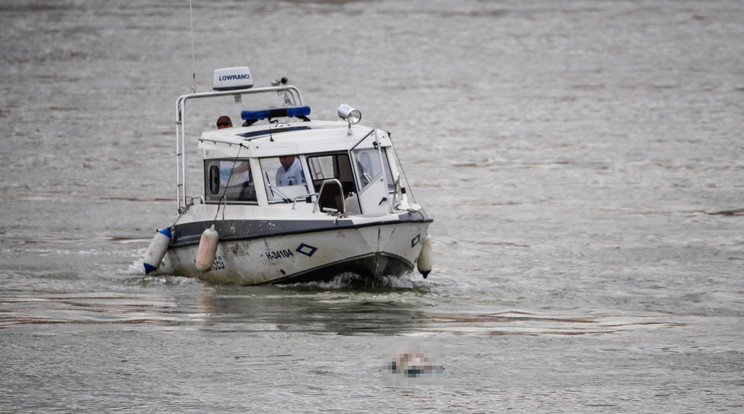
299	197
340	187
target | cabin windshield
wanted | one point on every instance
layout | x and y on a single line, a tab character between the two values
284	178
230	179
371	165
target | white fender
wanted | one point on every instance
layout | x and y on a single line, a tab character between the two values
207	249
156	251
424	259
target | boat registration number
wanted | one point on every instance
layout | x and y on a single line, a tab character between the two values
278	254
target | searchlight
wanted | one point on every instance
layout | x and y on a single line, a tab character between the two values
349	114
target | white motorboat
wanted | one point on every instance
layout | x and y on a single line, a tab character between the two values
287	199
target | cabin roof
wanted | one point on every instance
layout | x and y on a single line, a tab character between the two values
290	137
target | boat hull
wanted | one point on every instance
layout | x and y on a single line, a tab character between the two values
369	250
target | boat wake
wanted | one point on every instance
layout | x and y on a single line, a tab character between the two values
342	281
354	281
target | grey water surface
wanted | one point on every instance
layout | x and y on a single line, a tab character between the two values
582	161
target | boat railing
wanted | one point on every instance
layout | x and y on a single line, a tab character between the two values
396	191
305	197
338	198
292	97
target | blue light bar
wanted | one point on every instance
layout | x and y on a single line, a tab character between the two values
296	111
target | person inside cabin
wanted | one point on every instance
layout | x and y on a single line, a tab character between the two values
236	173
290	173
239	167
224	122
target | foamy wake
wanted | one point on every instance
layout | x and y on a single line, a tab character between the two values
353	280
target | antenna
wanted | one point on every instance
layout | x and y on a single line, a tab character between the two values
193	60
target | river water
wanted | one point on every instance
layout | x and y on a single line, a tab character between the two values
582	161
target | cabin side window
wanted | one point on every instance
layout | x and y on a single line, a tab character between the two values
230	179
284	178
334	167
330	166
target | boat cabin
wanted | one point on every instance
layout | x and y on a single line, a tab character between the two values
279	156
341	169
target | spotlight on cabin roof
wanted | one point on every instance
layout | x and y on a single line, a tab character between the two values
349	114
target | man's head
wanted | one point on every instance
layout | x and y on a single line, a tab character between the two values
224	122
287	162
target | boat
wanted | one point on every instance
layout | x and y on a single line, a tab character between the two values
287	199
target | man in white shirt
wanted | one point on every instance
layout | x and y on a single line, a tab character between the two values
290	173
